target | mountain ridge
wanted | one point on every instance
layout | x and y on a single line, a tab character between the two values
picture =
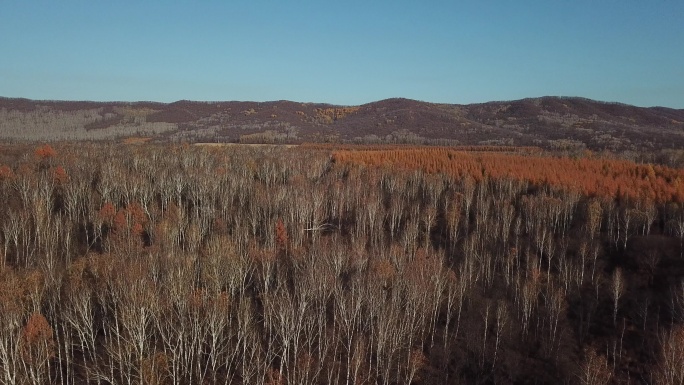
553	122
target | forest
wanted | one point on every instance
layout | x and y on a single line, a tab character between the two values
180	264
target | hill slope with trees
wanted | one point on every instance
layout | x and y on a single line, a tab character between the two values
565	124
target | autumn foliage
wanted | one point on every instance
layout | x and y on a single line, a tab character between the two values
37	337
348	265
45	152
60	175
281	238
107	212
5	172
593	177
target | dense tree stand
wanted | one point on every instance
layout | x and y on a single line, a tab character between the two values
270	265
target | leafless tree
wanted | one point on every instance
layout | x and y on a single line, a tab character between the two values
617	291
670	369
595	369
500	321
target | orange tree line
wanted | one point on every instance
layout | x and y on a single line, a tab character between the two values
594	177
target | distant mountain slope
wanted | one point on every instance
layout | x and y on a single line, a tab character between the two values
550	122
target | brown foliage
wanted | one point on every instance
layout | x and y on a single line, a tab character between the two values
6	173
281	238
60	175
45	152
332	114
618	179
37	339
37	330
107	212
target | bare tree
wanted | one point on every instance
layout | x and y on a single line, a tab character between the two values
500	322
670	368
617	291
676	226
11	314
594	369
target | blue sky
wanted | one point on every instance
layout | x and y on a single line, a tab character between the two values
344	52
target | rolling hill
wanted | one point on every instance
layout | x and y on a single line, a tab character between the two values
557	123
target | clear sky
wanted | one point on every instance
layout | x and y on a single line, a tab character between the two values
343	52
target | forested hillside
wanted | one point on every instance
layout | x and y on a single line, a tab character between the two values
570	125
156	264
